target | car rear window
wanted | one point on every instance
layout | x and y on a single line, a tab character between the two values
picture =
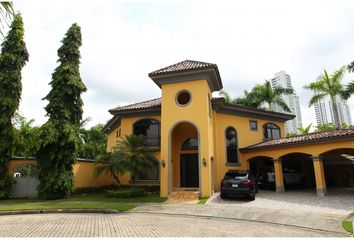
236	175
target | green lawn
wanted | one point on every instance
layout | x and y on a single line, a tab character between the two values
348	226
62	205
89	201
153	198
203	200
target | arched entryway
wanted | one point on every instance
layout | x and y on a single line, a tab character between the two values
262	167
338	167
184	156
298	171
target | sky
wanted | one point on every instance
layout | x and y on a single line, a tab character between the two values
123	41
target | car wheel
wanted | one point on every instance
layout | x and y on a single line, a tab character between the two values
252	195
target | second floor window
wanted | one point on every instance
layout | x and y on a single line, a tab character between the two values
231	145
271	131
150	128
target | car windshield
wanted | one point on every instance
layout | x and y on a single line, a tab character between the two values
238	175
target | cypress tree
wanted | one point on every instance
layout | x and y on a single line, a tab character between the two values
59	142
13	58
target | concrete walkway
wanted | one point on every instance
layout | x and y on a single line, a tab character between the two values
298	215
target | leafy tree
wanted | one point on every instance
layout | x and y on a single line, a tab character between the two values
6	13
325	127
13	58
26	136
305	130
59	141
265	93
329	85
351	67
94	142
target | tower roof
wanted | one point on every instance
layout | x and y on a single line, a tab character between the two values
199	69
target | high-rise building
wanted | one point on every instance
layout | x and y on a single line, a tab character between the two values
324	111
282	79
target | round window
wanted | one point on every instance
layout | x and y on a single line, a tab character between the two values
183	97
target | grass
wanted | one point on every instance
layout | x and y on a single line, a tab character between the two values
203	200
348	226
61	205
89	201
153	198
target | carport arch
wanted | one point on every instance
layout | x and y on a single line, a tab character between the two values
338	167
302	165
258	165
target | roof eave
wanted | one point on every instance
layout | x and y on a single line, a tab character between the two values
211	74
291	144
221	107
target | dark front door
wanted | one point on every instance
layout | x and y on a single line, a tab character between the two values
189	170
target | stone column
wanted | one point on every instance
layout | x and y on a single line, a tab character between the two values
278	174
321	188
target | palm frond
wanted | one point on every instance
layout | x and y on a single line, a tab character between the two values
317	97
226	95
282	104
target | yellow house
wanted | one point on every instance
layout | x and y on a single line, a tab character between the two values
197	137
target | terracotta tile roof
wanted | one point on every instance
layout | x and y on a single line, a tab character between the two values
183	66
138	106
303	139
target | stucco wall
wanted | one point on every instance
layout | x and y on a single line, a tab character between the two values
83	173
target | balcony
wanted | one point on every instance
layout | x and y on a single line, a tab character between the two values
153	142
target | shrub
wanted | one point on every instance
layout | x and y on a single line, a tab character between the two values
97	189
5	186
136	192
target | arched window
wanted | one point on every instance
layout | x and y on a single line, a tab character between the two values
150	128
190	144
231	145
271	131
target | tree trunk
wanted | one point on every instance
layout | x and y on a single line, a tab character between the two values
335	113
270	106
116	178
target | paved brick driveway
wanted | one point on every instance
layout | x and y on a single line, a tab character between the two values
139	225
338	201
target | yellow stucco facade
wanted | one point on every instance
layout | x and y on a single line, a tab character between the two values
82	170
206	119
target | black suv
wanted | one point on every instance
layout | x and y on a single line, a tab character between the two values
239	183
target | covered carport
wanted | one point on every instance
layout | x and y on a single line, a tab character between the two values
325	158
339	168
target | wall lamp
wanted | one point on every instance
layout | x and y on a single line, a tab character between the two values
204	162
163	163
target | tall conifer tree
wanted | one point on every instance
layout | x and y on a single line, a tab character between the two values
59	136
13	58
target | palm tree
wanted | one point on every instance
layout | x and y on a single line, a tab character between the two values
248	99
134	156
6	12
109	163
305	130
350	87
227	96
265	93
329	85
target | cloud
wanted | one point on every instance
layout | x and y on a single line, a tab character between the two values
125	40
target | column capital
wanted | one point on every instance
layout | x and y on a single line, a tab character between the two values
277	160
317	158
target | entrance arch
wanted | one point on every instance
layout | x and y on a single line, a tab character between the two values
184	154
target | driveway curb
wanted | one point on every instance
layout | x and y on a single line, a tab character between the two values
103	211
